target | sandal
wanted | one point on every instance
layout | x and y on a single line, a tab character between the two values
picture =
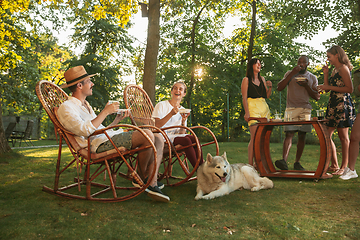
333	169
339	172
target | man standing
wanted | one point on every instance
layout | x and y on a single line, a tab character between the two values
78	117
297	106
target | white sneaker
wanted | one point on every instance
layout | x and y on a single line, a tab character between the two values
346	170
349	175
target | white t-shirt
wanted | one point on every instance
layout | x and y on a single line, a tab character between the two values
161	110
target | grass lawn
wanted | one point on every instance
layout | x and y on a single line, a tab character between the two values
294	209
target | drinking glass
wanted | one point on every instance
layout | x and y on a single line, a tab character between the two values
288	117
320	114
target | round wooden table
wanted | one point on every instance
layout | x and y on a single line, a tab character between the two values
263	159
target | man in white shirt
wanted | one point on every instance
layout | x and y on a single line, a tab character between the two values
77	116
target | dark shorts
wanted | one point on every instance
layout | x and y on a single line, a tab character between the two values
120	140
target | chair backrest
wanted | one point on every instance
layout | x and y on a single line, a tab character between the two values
138	101
51	96
69	136
28	130
9	129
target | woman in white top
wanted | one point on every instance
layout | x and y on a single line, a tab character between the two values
166	114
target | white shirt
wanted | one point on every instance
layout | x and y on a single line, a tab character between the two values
161	110
77	119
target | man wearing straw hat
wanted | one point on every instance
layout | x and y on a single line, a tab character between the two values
77	116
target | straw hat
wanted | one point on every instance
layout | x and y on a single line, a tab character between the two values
75	75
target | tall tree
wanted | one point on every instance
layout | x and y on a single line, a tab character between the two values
41	61
193	44
106	50
252	33
152	49
15	15
11	36
190	33
223	61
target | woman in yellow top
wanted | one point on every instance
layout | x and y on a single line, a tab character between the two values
254	90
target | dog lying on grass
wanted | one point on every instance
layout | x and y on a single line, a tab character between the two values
216	178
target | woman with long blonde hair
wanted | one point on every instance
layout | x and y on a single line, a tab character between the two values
340	111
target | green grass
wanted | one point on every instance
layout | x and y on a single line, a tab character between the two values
294	209
36	143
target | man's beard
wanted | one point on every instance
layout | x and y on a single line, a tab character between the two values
302	71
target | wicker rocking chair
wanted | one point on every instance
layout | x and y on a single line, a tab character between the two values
116	162
177	169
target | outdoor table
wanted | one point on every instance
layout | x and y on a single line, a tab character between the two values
263	159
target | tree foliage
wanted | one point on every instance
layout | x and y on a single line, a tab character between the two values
26	57
12	34
105	50
345	17
29	56
192	48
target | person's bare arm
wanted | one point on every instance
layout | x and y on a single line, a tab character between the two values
244	90
161	122
119	117
184	116
285	81
109	109
268	87
344	72
313	93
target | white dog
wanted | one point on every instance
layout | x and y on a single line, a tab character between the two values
216	178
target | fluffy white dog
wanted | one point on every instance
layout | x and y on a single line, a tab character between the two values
216	178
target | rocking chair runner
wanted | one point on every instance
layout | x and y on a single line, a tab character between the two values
138	101
118	161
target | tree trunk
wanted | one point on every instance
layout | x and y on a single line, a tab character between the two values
252	34
4	146
152	49
193	63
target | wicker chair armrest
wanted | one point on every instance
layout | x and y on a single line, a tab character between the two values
127	126
158	130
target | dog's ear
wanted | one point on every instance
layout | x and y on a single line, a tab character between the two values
224	155
208	158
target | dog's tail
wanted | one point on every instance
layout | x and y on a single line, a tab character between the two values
266	183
